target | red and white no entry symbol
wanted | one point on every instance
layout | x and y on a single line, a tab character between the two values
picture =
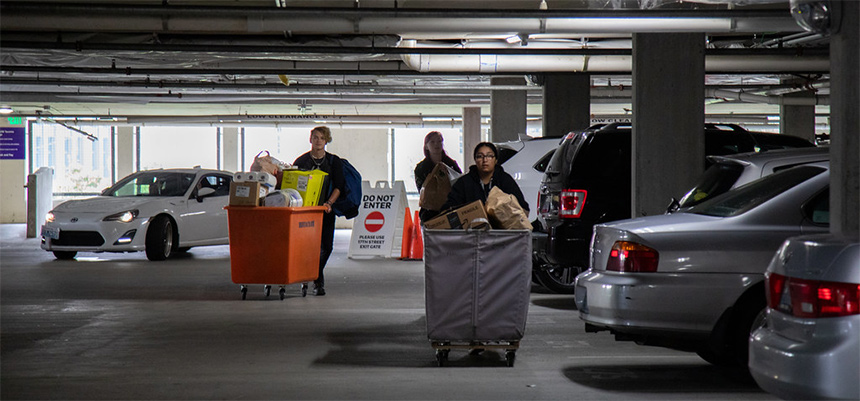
374	221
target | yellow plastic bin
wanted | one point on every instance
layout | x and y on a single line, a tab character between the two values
274	245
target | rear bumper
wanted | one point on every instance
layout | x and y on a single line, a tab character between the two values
657	302
825	365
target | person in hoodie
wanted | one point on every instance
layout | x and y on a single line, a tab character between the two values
481	178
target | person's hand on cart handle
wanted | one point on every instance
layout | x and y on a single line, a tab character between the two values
327	206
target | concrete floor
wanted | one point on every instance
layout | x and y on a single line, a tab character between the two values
116	326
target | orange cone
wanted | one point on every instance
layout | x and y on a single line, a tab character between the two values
406	242
416	248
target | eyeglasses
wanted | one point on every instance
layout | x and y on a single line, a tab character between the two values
488	157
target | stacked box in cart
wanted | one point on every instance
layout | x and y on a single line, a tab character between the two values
274	245
462	217
246	193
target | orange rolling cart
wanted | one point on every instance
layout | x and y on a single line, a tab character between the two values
274	246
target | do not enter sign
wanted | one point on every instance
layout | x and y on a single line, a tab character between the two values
374	221
380	218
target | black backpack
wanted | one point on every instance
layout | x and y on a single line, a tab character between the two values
347	203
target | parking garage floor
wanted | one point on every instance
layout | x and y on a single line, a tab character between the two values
116	326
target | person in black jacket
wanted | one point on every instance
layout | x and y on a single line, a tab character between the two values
483	176
318	159
434	153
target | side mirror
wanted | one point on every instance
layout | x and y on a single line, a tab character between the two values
673	207
204	192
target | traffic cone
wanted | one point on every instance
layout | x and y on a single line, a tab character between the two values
406	242
416	248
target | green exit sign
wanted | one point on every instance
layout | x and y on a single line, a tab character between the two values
15	120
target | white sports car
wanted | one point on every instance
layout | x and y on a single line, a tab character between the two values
157	211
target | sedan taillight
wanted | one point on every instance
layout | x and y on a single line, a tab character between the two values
571	203
626	256
812	298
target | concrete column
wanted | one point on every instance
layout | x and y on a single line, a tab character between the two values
124	151
566	103
230	149
845	124
668	118
508	111
471	134
797	120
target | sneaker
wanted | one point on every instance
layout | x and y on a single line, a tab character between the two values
319	291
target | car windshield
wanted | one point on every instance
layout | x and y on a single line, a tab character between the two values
747	197
152	183
717	179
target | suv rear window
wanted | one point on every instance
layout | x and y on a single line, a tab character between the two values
749	196
717	179
779	141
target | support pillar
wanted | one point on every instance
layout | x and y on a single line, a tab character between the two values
566	103
124	151
508	110
471	134
230	149
797	120
668	144
845	124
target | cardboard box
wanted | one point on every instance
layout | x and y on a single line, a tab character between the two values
458	218
308	183
246	193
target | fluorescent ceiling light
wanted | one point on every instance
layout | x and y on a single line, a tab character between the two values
513	39
6	110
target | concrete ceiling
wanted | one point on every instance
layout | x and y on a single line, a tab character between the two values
369	62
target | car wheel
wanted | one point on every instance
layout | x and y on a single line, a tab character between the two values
159	238
558	279
750	316
65	255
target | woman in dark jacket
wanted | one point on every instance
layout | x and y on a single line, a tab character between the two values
483	176
433	154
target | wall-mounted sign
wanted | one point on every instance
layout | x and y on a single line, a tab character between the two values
13	142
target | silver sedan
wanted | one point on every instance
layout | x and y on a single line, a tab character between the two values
810	346
694	280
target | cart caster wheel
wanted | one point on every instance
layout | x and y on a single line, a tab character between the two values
304	290
510	356
282	293
267	289
244	291
441	357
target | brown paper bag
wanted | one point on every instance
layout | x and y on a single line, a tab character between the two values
505	212
436	188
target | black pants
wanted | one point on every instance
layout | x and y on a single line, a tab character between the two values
326	244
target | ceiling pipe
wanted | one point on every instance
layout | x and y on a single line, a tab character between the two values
780	100
444	23
500	63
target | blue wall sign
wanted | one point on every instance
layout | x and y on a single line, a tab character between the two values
13	142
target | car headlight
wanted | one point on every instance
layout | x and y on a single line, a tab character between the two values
124	217
49	218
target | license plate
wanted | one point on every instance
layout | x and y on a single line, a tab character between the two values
51	232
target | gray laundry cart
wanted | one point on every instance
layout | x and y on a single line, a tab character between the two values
477	285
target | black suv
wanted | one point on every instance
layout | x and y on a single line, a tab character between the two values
587	182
